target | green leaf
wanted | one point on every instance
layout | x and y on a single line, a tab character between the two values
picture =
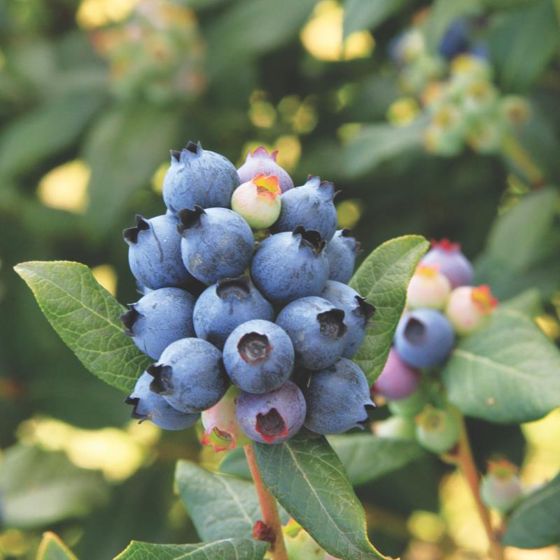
535	523
519	58
220	506
368	14
383	279
45	131
505	372
528	302
228	549
40	488
378	143
308	479
366	457
235	463
124	150
52	548
86	317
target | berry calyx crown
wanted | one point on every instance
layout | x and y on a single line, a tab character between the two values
310	238
427	270
446	245
130	235
483	299
267	185
262	152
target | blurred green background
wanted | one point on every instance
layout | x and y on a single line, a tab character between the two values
93	94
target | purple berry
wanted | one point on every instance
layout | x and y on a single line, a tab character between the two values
337	398
310	206
198	177
357	313
217	243
451	262
261	161
288	266
317	330
158	319
272	417
341	252
258	356
189	375
150	406
424	338
397	380
154	253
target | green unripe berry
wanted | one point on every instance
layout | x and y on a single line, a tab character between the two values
258	201
501	488
437	430
396	427
410	406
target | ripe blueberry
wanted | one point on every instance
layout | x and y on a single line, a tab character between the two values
310	206
189	375
272	417
158	319
317	330
469	308
216	243
337	398
227	304
357	313
287	266
428	288
154	253
198	177
451	262
258	201
437	430
258	356
261	161
150	406
397	380
341	252
424	338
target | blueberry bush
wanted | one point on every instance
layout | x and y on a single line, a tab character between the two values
344	278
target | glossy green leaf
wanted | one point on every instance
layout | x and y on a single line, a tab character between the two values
505	372
368	14
308	479
383	279
220	506
528	302
366	457
228	549
52	548
378	143
124	150
535	523
86	317
39	488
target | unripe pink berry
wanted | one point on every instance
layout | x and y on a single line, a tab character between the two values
469	307
262	161
428	288
501	488
258	201
397	380
221	430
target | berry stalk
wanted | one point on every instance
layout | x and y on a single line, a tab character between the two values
268	508
516	153
464	460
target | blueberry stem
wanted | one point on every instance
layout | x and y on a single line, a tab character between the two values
518	155
463	458
269	508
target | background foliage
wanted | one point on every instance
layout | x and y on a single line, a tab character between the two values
92	96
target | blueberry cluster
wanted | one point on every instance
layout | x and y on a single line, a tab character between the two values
257	336
441	305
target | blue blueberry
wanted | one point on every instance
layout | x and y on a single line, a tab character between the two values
310	206
217	243
154	253
150	406
317	329
287	266
357	313
198	177
337	398
272	417
258	356
424	338
189	375
227	304
341	252
456	39
158	319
